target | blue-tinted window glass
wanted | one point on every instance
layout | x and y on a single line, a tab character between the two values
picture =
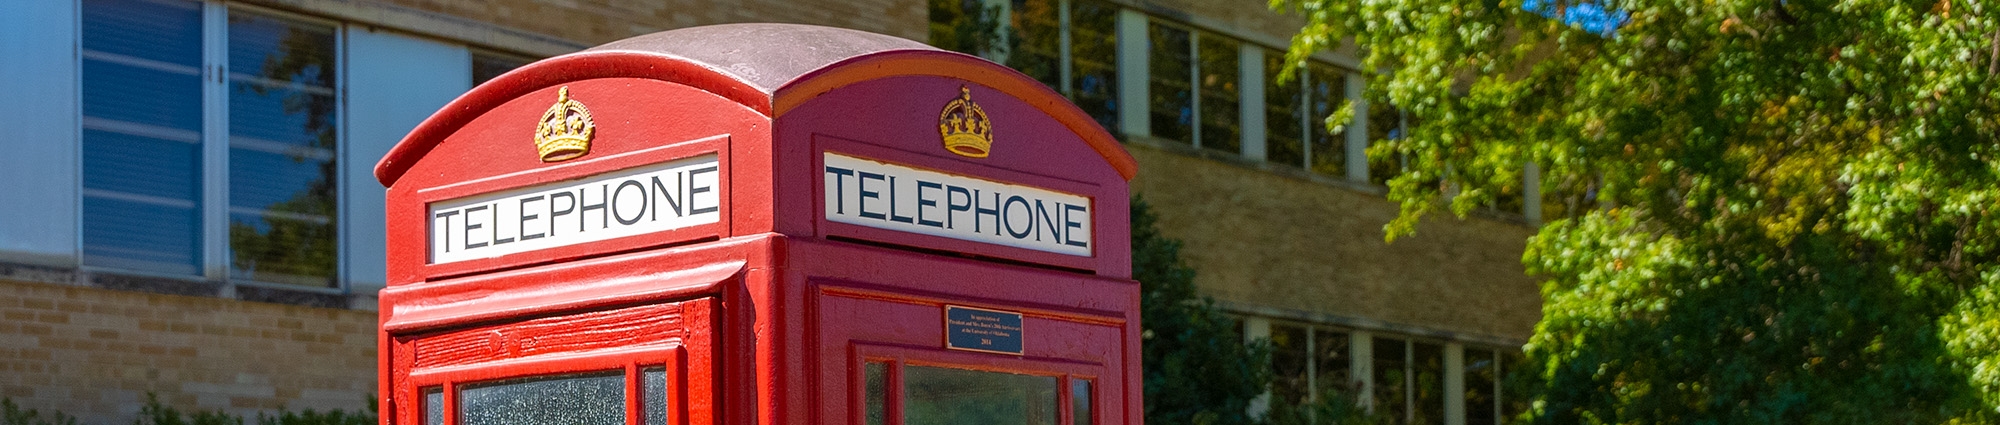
1080	401
142	135
877	392
1220	75
282	169
1328	87
155	99
166	31
591	399
1035	40
1283	117
1171	85
434	406
1093	52
653	387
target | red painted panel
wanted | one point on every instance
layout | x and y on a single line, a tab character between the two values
595	330
765	316
684	346
638	122
541	75
895	299
1031	147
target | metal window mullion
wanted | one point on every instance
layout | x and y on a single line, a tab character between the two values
1134	75
1312	364
1064	64
1003	33
1409	381
1356	142
1454	384
1305	116
1252	118
1194	86
76	135
1360	365
1499	375
340	156
1255	328
215	142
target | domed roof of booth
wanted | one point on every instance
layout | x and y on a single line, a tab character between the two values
767	67
764	55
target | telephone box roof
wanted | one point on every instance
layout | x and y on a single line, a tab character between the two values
769	68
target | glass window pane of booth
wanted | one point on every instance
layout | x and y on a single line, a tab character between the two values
1080	402
567	399
653	389
877	393
941	396
434	406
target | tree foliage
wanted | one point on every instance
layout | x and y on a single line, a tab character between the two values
1788	205
1197	368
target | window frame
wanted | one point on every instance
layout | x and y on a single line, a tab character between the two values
1256	327
474	53
212	195
1067	373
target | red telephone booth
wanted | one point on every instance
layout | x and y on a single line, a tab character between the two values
776	224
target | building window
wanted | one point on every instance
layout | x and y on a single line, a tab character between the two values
1482	387
1194	87
1295	113
1170	71
1409	380
1220	74
1384	123
1093	53
1426	383
1069	45
209	129
1407	383
1309	363
1034	41
1291	379
1326	86
487	65
1285	123
1392	378
142	135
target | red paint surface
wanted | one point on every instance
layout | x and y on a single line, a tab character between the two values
767	315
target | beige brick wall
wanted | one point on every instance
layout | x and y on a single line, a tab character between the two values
1266	239
1243	18
96	353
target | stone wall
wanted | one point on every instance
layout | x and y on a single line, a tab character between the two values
96	353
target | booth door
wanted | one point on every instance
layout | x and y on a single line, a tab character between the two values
887	353
647	364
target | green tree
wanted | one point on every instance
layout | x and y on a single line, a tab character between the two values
1781	211
1197	368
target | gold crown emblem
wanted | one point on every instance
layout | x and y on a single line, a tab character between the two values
565	130
965	128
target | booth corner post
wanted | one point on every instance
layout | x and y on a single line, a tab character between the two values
759	223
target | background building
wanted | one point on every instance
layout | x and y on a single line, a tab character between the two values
191	210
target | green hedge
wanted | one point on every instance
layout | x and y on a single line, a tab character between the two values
155	413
